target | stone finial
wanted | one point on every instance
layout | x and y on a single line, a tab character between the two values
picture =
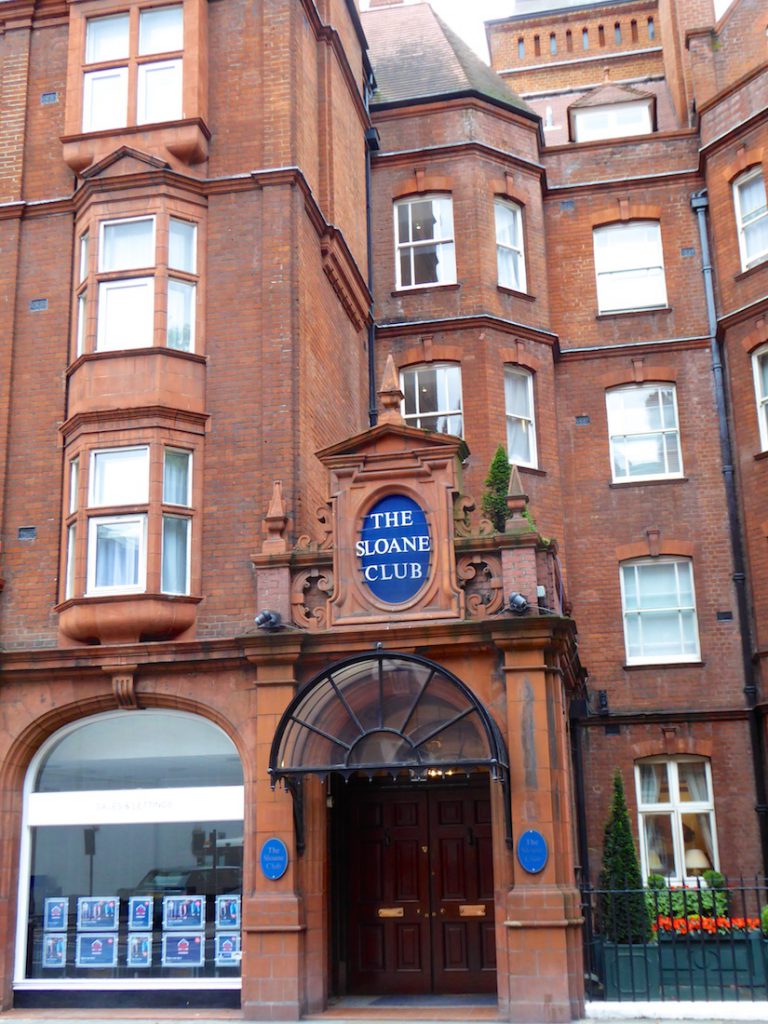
390	394
275	522
517	499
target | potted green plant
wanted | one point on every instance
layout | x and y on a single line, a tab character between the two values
631	969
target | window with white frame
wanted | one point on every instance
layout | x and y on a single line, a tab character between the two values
644	433
144	285
659	610
424	242
612	121
676	814
760	366
124	511
751	217
521	426
629	265
432	397
510	255
117	543
177	482
132	72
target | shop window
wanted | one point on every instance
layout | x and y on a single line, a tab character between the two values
659	609
123	511
510	256
643	432
131	865
521	425
125	86
629	265
139	295
433	397
751	217
612	121
424	242
760	367
676	813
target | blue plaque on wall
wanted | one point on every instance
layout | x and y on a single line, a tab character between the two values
532	851
394	549
274	859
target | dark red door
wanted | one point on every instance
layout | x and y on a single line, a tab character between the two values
420	890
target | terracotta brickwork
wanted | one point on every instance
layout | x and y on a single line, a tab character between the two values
252	206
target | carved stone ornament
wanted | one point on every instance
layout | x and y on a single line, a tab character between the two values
310	590
480	577
325	518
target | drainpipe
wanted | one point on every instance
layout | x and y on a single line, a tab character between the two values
700	205
371	146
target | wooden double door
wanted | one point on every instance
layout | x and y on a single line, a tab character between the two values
420	889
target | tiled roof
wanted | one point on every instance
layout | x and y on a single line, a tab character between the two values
415	56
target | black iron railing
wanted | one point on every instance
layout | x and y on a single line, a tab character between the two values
695	942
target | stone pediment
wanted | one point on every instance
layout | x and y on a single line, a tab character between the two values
387	440
123	161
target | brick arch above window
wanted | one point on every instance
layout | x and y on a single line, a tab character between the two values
757	337
519	356
624	210
508	188
638	373
422	182
670	745
654	547
426	351
746	160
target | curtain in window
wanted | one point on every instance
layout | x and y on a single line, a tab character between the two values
754	217
694	775
175	548
118	547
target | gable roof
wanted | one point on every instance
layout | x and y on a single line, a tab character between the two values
608	94
416	58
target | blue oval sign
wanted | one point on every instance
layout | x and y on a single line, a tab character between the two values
532	851
394	549
274	859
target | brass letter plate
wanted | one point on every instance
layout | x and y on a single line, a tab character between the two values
390	911
472	910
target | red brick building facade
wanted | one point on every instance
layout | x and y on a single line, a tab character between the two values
287	716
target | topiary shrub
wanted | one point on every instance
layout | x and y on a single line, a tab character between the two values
494	502
623	913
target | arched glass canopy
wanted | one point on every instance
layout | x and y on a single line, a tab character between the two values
387	712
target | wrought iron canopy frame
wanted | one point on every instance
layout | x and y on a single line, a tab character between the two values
352	718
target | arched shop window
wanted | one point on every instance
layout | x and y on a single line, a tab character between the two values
131	857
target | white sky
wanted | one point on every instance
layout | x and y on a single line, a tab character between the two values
466	17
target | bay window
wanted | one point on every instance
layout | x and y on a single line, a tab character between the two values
629	265
751	217
676	814
143	285
125	82
433	397
510	256
424	245
124	510
659	610
521	429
